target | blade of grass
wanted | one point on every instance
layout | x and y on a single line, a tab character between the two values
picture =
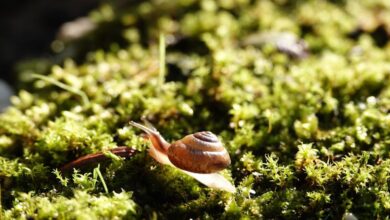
63	86
96	171
1	206
161	59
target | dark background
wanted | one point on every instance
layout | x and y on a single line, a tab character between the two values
27	28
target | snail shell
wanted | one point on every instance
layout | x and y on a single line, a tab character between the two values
201	152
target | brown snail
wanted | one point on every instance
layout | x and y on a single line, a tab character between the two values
200	155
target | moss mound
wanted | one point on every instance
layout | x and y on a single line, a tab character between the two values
299	92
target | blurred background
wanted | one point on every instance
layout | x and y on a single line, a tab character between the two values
28	28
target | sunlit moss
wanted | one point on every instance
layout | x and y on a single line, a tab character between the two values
81	206
308	134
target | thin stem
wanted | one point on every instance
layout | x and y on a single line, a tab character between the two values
1	206
161	60
97	170
63	86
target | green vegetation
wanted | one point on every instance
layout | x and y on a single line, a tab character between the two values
309	135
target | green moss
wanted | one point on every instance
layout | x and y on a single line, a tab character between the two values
308	135
81	206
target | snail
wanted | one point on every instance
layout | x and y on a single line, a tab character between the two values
200	155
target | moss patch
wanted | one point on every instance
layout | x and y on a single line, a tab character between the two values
297	90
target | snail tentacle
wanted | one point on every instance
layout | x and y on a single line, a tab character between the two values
149	125
159	143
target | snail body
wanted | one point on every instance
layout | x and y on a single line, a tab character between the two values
200	155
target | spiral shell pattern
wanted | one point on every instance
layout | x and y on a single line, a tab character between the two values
201	152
